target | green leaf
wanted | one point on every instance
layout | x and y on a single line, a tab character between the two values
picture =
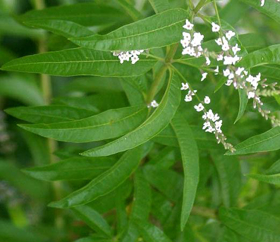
104	183
243	101
160	5
93	219
74	168
87	14
151	233
130	9
269	55
107	125
268	141
168	182
60	27
77	62
271	8
159	119
11	233
254	225
151	32
190	158
142	198
229	175
25	184
271	176
30	93
48	114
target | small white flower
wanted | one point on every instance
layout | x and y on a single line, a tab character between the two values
230	34
251	95
210	114
188	25
204	75
215	27
218	126
219	41
188	51
185	86
134	59
185	43
235	49
225	47
220	57
154	104
207	100
226	72
187	36
208	62
262	3
229	82
216	70
239	71
199	107
197	39
188	98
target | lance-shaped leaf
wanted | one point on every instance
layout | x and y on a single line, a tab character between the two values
77	62
271	176
61	27
268	141
254	225
160	118
104	183
93	219
160	5
243	101
87	14
152	32
189	152
269	55
271	8
151	233
107	125
48	114
75	168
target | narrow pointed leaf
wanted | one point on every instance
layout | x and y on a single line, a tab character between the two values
87	14
148	33
151	233
75	168
61	27
243	100
189	153
268	141
77	62
271	8
93	219
271	179
107	125
160	5
48	114
268	55
254	225
105	183
150	128
142	198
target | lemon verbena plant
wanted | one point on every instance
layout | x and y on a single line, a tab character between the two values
140	120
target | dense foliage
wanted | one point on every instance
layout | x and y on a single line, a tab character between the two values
139	120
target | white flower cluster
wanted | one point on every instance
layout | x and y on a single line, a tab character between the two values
191	93
191	41
213	123
132	55
238	76
153	104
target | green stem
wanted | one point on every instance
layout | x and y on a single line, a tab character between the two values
47	95
199	6
160	73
